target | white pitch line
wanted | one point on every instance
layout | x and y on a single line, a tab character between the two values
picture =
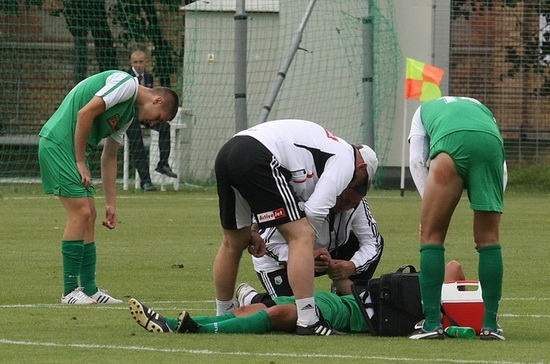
526	299
177	305
242	353
115	307
528	316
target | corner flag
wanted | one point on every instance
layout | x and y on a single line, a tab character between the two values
422	81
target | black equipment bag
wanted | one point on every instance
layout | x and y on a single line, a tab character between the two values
394	299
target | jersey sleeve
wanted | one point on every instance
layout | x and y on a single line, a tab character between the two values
119	87
419	152
370	242
276	252
332	182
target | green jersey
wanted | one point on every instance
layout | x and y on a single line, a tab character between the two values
449	114
118	90
343	312
466	130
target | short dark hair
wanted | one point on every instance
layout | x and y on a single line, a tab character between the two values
171	100
138	51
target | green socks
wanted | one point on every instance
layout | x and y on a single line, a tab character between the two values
258	323
432	275
88	269
172	322
79	260
72	251
203	320
228	323
490	270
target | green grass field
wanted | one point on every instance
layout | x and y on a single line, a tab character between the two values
162	253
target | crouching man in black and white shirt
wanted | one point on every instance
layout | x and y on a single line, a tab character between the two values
348	247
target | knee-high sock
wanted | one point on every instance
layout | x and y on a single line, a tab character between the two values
72	251
203	320
257	323
432	275
490	270
88	269
172	322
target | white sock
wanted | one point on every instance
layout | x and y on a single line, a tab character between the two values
225	306
307	312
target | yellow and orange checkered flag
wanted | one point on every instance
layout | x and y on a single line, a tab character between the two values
422	81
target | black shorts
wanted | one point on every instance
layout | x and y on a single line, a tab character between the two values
251	181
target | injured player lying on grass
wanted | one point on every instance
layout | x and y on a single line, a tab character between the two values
342	312
253	317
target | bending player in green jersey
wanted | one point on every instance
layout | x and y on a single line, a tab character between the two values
100	107
455	144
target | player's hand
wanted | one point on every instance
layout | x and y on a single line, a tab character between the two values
321	254
85	176
322	260
256	245
110	218
340	269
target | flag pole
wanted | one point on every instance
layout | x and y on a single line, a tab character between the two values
423	80
403	148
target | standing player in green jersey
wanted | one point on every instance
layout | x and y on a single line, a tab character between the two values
455	144
101	106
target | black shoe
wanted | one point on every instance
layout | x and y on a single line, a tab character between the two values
167	171
489	334
320	328
420	334
148	186
147	318
186	324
